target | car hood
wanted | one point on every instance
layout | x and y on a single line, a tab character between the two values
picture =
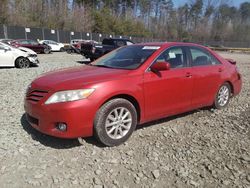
27	50
77	77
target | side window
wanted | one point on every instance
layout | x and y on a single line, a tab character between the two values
174	56
1	47
32	42
24	42
202	58
129	43
120	43
52	42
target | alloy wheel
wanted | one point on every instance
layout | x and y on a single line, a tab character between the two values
223	96
23	63
118	123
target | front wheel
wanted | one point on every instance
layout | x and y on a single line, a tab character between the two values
223	96
46	50
22	63
115	121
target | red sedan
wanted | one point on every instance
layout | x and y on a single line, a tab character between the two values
129	86
31	44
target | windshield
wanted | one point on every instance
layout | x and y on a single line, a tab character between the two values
129	57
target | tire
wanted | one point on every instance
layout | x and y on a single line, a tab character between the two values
115	122
62	50
69	51
92	59
46	51
223	96
22	63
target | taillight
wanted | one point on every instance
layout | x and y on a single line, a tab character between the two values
93	50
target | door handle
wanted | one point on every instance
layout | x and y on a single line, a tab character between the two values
220	70
188	75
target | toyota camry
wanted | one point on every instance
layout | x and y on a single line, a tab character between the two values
129	86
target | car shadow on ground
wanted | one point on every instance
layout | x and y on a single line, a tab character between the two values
59	143
86	62
31	66
46	140
206	111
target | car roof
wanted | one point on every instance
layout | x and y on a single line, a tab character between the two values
169	44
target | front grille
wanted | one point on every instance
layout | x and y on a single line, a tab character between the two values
32	119
36	95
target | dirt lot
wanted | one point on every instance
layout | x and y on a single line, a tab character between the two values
204	148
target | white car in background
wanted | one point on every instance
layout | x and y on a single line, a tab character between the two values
55	46
17	57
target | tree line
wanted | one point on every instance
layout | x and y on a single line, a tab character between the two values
197	20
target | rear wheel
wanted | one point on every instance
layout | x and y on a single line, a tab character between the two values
62	49
115	121
22	63
223	96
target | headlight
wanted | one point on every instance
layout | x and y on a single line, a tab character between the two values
70	95
32	55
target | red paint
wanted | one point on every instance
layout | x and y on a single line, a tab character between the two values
38	48
159	94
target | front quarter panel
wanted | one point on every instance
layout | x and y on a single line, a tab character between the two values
131	85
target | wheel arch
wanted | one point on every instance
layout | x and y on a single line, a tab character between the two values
19	58
131	99
231	86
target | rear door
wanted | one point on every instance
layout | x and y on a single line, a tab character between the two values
168	92
206	71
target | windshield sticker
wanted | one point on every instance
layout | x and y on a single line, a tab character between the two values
172	55
151	47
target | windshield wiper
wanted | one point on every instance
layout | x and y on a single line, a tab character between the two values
105	66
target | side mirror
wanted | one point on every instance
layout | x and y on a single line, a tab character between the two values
160	66
7	49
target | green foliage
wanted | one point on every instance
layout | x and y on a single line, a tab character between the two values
105	22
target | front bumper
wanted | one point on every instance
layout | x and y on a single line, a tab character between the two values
78	116
34	60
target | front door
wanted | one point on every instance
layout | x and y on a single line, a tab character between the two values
168	92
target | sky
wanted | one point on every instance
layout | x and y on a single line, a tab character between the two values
234	2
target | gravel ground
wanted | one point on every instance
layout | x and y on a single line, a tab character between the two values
203	148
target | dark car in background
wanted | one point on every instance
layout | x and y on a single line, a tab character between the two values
33	45
94	51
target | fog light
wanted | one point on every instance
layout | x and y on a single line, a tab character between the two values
61	126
